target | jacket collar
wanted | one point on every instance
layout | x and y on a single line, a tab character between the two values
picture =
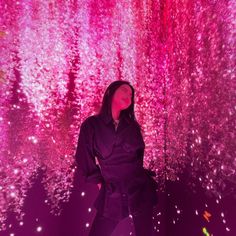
107	118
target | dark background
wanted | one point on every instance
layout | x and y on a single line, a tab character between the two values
175	214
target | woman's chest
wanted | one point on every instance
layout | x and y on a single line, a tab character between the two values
107	139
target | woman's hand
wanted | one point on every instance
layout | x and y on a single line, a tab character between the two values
99	185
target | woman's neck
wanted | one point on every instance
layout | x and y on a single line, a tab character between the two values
115	114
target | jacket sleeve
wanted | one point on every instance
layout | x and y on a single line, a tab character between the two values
141	143
85	158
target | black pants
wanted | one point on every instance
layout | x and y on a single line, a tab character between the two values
143	224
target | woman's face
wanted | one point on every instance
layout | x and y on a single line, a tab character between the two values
122	97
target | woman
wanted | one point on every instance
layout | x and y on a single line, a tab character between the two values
110	154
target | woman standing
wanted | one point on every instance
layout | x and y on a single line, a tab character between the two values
110	154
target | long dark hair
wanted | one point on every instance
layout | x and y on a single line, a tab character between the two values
107	100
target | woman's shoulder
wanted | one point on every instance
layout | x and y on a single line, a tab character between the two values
89	120
87	125
136	123
138	126
92	120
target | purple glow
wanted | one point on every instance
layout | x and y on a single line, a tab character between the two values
57	58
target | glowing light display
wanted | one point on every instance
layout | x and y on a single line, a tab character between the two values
57	58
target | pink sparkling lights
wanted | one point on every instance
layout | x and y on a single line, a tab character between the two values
57	58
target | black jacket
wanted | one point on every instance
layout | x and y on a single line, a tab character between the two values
114	158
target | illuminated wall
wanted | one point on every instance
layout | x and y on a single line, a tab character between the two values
58	57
